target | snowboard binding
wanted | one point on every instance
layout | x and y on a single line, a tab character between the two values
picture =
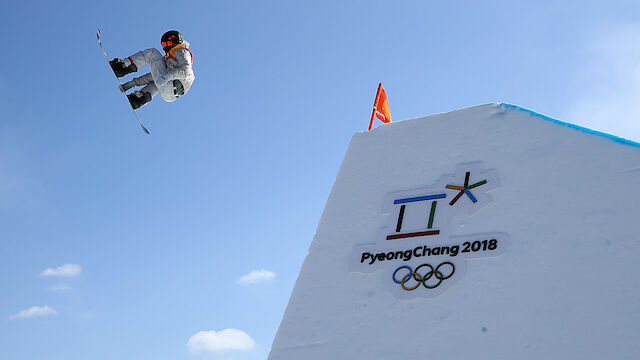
138	98
117	65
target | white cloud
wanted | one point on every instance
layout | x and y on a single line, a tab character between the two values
59	287
224	340
256	276
66	270
33	312
607	83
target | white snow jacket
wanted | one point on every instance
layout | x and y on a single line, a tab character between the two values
179	64
172	74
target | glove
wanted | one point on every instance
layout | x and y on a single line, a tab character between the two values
164	78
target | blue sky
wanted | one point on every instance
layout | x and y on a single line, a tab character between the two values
234	177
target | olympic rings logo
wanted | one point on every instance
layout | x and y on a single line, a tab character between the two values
422	279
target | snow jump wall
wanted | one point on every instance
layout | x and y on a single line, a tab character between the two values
488	232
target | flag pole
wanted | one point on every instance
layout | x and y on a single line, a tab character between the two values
373	112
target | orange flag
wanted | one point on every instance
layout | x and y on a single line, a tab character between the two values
380	107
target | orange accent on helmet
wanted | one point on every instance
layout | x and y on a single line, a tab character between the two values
170	39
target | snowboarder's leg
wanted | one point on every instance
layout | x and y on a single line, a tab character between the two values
158	68
150	88
139	81
153	58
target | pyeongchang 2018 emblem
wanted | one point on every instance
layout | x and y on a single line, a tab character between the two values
415	250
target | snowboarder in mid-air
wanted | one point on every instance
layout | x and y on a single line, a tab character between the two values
171	75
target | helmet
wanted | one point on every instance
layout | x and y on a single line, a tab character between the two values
170	39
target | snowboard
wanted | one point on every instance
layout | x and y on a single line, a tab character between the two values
99	34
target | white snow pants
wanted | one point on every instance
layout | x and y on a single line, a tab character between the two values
158	67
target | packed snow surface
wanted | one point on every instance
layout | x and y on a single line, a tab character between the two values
562	206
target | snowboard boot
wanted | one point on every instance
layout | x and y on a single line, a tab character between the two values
117	65
138	98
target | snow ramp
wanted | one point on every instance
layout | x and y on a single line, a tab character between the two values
491	232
